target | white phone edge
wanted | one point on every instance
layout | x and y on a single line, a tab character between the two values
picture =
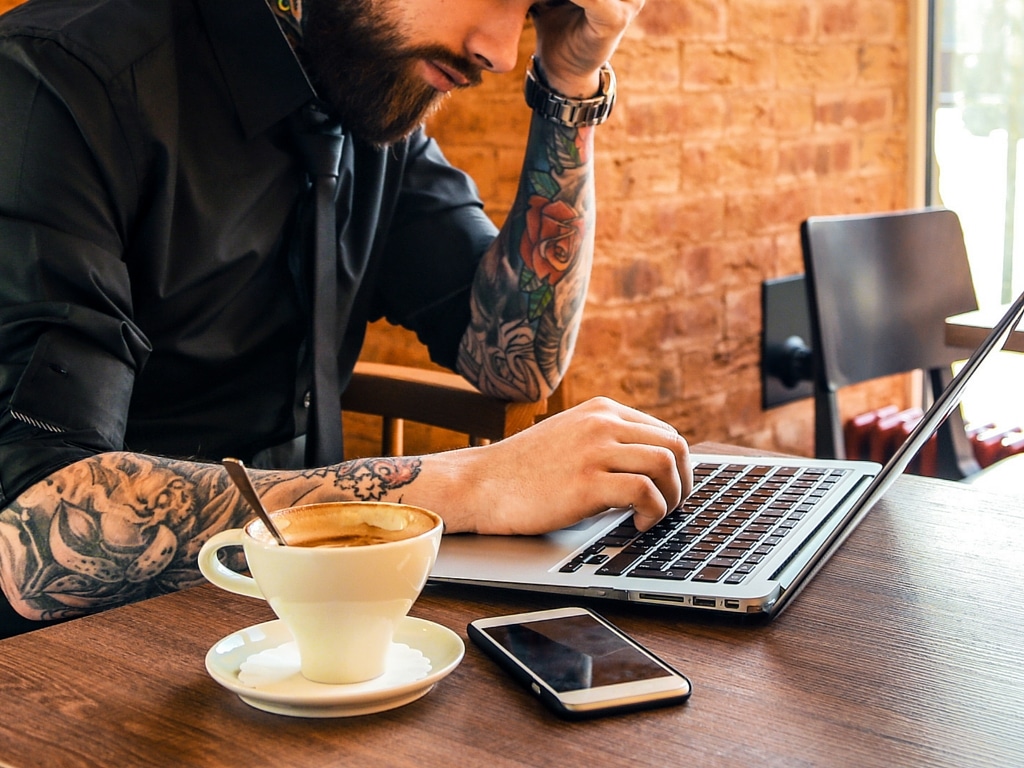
670	687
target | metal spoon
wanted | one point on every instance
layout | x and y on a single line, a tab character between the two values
236	470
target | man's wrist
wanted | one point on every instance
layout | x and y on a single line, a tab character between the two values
564	110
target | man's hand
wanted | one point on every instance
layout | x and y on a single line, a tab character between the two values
575	38
577	463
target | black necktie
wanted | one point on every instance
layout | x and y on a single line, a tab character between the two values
320	141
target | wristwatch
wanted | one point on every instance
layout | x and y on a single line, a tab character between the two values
572	113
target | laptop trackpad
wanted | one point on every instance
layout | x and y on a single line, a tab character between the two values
475	556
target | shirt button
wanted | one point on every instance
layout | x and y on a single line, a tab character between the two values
307	399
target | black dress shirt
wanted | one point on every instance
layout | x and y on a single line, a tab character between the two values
148	189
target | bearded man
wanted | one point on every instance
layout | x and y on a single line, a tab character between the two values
171	294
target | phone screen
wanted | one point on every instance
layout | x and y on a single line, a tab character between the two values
575	653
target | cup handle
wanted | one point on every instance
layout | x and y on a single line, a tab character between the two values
217	573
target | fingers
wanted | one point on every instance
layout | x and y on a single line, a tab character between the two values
575	39
569	466
655	479
641	461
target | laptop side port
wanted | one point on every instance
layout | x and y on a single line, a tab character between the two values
704	602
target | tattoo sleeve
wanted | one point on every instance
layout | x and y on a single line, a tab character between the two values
120	527
528	294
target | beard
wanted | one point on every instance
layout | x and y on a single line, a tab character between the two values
359	63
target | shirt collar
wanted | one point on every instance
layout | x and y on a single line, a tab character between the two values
266	81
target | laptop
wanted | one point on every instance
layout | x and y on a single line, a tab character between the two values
750	536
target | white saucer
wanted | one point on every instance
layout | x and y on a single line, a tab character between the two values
422	653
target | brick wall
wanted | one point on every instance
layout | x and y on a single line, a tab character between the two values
736	120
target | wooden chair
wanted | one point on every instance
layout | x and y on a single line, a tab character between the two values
879	289
400	393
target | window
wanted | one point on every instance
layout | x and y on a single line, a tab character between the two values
975	134
977	128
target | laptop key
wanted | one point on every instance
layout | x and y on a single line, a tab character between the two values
710	573
735	515
722	562
619	564
670	574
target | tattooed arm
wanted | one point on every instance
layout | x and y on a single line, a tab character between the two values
528	294
119	527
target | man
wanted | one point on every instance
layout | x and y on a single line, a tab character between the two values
163	291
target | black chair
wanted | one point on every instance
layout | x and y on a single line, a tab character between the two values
879	289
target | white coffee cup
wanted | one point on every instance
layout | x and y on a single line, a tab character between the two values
349	575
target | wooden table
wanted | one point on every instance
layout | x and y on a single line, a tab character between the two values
970	329
907	650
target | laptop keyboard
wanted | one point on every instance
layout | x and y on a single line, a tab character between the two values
736	515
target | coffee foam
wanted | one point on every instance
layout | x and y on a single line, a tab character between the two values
346	524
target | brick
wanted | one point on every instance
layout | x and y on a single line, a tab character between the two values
816	156
743	262
700	269
863	108
753	212
742	310
840	19
654	171
776	20
728	66
870	20
750	109
706	114
689	19
788	255
672	219
652	117
600	336
877	62
882	150
816	66
698	322
793	111
731	162
651	65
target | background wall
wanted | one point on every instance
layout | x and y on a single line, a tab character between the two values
736	120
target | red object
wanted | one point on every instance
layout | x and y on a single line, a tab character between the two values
858	430
988	444
875	436
890	431
1013	444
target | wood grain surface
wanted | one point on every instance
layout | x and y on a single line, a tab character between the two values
906	650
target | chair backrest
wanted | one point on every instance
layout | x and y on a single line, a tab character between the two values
880	287
400	393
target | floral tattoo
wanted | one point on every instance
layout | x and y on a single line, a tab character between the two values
371	479
529	291
553	228
120	527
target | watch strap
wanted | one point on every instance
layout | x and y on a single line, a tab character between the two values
572	113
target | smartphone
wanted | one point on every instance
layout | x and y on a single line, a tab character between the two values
578	663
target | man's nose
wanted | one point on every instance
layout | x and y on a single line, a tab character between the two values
494	43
